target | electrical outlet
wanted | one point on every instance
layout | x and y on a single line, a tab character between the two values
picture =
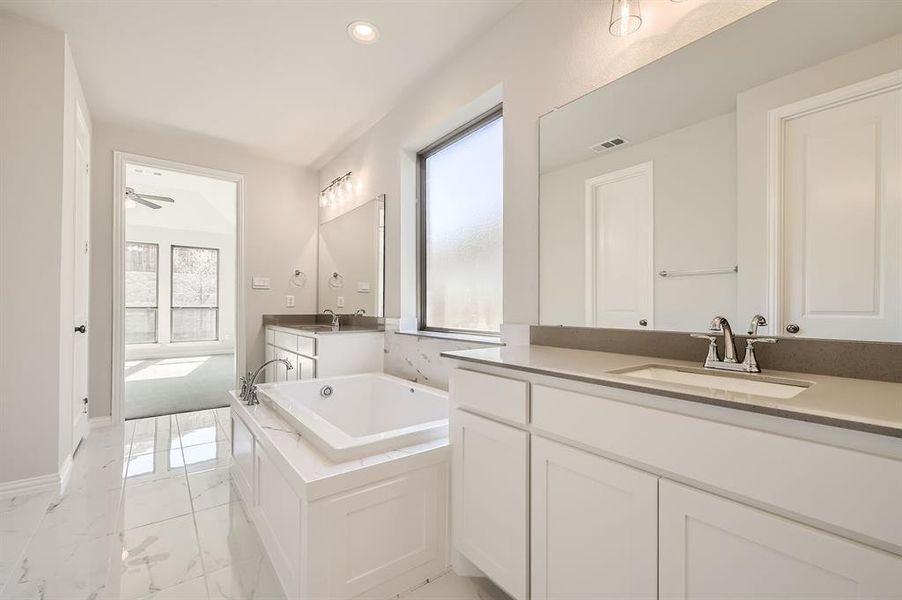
289	301
340	302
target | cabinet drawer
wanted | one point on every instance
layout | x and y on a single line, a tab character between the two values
306	346
838	487
497	396
286	341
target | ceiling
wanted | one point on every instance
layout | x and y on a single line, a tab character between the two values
702	80
280	77
202	204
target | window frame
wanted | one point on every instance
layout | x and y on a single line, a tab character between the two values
156	306
495	113
173	307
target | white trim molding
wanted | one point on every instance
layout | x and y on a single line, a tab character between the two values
120	160
98	422
52	482
776	127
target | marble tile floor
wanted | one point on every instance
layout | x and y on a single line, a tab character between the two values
151	513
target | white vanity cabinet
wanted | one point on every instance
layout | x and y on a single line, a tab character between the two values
631	498
711	547
315	355
490	498
594	526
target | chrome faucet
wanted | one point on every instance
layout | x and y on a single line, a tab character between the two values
720	325
335	322
248	392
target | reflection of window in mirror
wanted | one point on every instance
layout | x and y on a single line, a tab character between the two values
460	180
759	177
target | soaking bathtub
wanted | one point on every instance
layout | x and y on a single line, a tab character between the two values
346	480
356	416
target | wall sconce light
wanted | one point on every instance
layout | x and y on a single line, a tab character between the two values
337	190
626	17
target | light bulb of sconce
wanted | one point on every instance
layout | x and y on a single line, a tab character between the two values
626	17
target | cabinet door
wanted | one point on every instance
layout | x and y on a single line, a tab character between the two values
281	373
278	514
269	372
490	472
711	547
306	367
594	526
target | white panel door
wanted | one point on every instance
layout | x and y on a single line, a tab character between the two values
714	548
490	470
843	220
594	530
80	280
619	248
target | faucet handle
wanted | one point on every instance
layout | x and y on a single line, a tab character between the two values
751	361
713	355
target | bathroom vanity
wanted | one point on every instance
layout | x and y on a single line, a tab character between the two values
317	351
575	475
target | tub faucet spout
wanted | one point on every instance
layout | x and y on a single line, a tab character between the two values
248	392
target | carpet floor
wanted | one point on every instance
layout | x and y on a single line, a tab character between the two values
163	386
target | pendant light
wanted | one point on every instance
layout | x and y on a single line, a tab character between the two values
625	17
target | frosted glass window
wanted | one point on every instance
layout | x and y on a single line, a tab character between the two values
195	294
141	279
461	230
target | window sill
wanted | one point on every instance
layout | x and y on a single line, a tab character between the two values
489	340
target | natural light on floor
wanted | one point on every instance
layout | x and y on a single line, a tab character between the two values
163	369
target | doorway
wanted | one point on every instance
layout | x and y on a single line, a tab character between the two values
178	315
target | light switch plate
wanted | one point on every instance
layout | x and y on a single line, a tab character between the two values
260	283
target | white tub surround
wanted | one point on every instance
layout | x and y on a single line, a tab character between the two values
372	526
360	415
316	351
572	480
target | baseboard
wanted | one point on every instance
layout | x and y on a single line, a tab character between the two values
102	421
31	485
54	482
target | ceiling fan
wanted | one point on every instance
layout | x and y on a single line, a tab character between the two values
148	200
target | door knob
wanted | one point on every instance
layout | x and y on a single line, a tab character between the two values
643	322
792	328
81	329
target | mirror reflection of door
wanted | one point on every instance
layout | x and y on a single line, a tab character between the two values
619	248
842	205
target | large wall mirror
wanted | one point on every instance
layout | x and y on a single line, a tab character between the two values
352	261
755	171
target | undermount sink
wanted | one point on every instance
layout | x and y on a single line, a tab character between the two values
727	382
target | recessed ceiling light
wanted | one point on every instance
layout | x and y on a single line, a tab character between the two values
363	32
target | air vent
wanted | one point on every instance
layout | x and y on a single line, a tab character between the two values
608	144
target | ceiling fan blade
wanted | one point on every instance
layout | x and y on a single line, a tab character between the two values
156	198
146	203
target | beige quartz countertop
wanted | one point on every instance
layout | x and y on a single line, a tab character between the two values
860	404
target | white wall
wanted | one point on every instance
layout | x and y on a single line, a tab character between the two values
165	238
280	230
694	225
752	107
542	55
38	88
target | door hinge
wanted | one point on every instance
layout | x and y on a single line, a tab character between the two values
84	401
87	168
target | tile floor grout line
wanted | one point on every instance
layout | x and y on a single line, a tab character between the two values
203	563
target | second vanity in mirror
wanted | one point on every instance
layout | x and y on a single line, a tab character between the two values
755	171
